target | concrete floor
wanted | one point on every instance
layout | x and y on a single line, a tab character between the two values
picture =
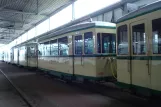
8	95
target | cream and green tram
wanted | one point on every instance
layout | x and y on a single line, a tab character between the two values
82	51
139	49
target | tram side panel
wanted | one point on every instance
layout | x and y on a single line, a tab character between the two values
106	53
84	59
16	55
141	51
73	54
22	56
57	61
12	56
32	55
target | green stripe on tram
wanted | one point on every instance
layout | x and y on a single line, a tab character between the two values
139	57
92	55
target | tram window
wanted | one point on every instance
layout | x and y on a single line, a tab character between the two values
54	47
32	51
108	43
46	49
88	43
41	52
156	36
98	42
63	46
122	42
78	45
113	43
139	41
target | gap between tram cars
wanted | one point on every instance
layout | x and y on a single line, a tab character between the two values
87	51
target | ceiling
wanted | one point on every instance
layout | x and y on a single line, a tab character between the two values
18	16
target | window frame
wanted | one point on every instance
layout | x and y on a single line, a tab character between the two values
82	52
136	38
110	35
117	39
58	41
51	42
84	43
46	42
153	31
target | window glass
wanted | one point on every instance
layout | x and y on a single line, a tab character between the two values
139	41
54	20
98	43
113	43
78	45
42	28
54	47
15	54
88	43
156	36
46	48
31	51
31	33
41	50
105	43
22	51
122	42
63	46
24	37
108	43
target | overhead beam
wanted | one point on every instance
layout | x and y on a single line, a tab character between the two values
20	12
8	33
6	40
13	21
14	28
9	4
16	11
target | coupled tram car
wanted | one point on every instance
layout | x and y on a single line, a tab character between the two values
139	50
85	51
92	51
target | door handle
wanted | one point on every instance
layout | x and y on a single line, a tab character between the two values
81	60
147	64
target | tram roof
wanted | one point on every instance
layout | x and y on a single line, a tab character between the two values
142	11
79	26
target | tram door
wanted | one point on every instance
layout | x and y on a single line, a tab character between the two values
140	63
78	54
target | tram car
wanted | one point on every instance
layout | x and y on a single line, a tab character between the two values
83	52
1	56
139	50
6	56
25	54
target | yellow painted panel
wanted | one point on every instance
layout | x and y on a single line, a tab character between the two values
85	67
123	75
156	75
61	64
140	76
105	66
32	62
